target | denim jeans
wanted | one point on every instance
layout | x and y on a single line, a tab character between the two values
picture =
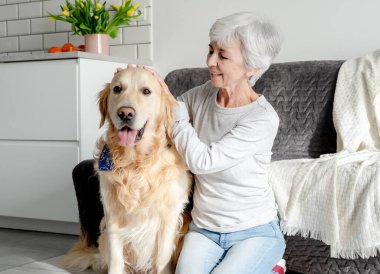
252	251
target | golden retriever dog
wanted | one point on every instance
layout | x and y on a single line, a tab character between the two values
144	182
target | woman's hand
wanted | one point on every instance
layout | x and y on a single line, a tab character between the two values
118	69
163	85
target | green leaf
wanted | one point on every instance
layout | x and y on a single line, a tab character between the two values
113	33
83	26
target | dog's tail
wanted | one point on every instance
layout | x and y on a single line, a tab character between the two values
82	256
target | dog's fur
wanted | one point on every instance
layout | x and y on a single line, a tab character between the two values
145	193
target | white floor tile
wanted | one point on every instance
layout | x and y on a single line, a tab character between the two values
24	270
18	256
53	265
24	252
47	265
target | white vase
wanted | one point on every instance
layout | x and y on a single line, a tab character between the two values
97	43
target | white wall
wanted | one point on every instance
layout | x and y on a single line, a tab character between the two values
312	30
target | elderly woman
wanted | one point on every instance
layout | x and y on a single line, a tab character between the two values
224	130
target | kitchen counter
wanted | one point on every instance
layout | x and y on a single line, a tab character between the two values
68	55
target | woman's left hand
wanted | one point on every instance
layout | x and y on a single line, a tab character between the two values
163	85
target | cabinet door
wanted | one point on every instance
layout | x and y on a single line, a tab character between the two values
36	180
38	100
94	75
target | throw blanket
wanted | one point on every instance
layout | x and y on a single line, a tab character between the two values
356	112
336	198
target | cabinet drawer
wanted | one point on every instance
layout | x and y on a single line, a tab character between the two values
39	100
36	180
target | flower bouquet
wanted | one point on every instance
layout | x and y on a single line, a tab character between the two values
92	17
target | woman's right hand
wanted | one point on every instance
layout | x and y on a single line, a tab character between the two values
118	69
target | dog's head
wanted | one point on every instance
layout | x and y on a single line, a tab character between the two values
135	105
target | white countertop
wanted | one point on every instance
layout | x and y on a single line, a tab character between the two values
25	57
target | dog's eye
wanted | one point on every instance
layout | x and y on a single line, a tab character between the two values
146	91
116	89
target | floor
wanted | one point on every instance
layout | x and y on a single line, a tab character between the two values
24	252
29	252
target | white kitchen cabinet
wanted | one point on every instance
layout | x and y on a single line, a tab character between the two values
48	123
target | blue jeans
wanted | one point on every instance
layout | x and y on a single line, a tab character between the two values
252	251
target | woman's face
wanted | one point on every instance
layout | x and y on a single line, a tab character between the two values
226	65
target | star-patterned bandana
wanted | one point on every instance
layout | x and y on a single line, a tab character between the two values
105	161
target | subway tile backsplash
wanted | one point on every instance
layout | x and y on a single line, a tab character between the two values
31	42
18	27
3	29
8	12
30	10
25	28
16	1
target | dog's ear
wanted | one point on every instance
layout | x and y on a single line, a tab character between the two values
169	107
103	102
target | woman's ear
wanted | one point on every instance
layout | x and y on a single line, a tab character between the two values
252	71
103	103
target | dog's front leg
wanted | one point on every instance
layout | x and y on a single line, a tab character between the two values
115	249
166	245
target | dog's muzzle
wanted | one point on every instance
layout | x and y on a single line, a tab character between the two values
128	135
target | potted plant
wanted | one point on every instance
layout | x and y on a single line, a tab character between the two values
95	22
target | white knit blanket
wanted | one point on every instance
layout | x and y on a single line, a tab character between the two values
336	198
356	112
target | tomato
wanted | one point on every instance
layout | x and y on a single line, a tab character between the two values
54	49
72	49
68	47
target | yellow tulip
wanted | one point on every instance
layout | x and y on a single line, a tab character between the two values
126	2
66	13
130	12
115	7
135	6
96	17
98	5
65	8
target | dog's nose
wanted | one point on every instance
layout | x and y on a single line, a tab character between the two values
126	113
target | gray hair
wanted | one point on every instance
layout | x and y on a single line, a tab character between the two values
260	39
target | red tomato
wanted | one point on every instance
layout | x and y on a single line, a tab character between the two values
54	49
68	47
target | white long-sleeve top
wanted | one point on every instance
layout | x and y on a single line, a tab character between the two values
229	152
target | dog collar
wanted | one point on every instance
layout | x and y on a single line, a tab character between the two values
105	161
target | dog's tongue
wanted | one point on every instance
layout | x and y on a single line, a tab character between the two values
127	137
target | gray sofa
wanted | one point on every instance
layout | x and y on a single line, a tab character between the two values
302	94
